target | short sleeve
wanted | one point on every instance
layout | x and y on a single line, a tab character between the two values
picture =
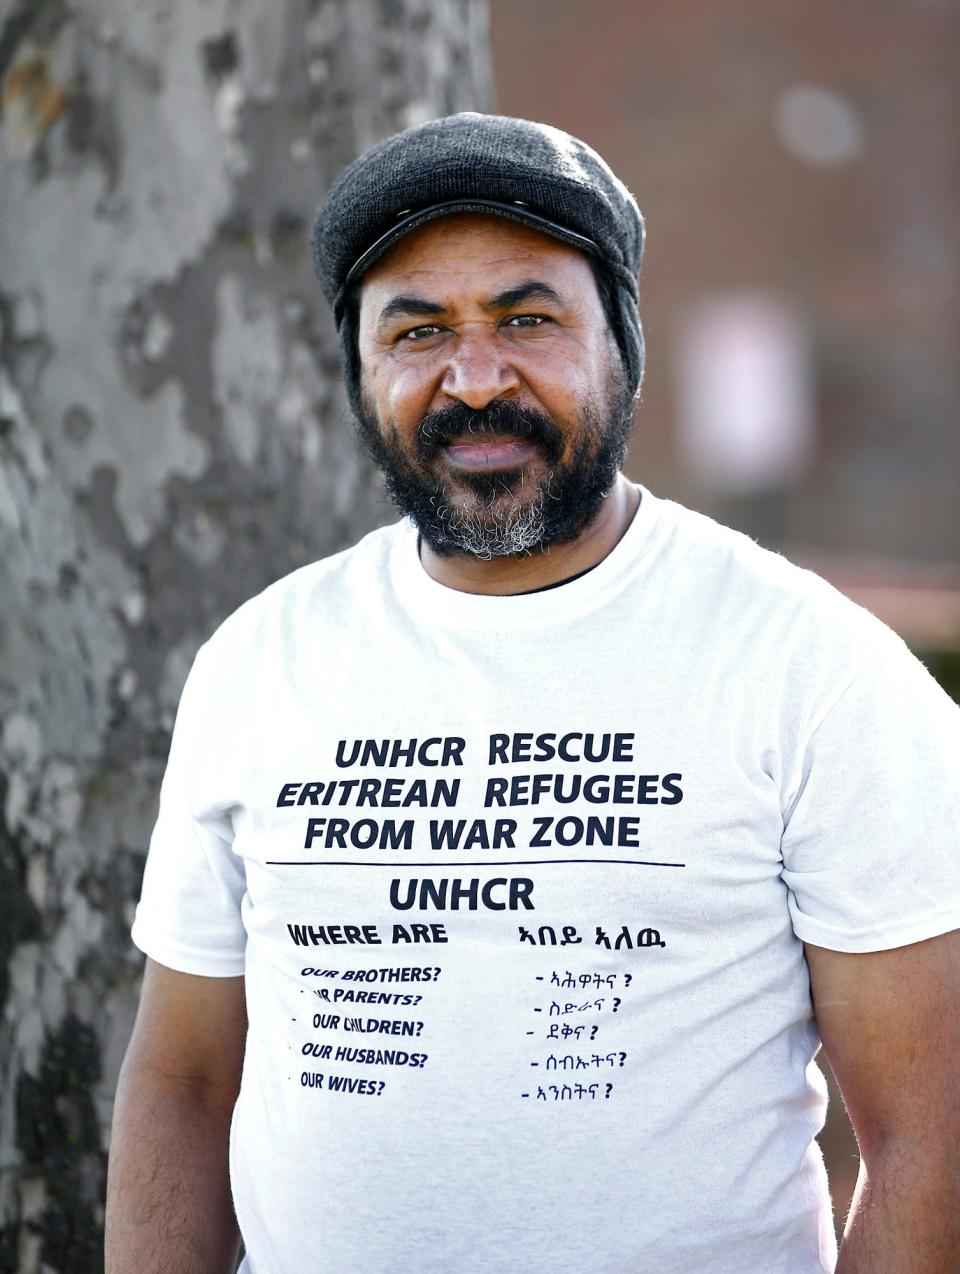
188	917
871	842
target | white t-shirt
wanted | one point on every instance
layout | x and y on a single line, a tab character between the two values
520	885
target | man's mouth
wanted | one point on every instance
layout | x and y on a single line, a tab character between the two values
495	451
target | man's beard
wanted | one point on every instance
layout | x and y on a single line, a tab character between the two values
513	513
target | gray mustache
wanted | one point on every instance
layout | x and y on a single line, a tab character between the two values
442	427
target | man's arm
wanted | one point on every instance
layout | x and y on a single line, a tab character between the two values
169	1208
890	1025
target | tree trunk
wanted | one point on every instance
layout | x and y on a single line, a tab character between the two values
173	436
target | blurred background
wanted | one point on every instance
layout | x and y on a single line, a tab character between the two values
173	434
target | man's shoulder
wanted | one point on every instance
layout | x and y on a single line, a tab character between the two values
323	589
730	577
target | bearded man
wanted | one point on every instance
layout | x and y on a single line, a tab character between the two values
513	865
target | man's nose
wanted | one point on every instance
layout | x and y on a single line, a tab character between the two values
479	371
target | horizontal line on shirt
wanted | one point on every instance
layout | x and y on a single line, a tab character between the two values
453	862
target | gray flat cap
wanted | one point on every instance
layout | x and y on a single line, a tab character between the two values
515	168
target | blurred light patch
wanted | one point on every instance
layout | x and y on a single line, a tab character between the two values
744	385
817	125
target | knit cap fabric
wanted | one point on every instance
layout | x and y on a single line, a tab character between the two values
514	168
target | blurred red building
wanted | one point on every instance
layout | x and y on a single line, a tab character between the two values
798	169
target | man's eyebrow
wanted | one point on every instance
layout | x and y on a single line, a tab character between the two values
529	290
408	306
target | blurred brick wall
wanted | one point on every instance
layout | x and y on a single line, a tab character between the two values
682	100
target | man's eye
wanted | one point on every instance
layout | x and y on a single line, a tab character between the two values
527	320
419	333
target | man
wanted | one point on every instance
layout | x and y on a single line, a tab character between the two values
544	834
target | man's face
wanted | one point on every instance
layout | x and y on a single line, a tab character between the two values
494	398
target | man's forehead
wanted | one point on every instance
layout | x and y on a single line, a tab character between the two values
485	255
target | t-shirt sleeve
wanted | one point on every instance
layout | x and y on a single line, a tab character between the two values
188	917
871	842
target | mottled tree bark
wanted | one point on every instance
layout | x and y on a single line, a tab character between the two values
173	436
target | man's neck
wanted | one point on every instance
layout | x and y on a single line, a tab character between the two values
505	576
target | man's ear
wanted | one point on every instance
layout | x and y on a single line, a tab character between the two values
350	348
